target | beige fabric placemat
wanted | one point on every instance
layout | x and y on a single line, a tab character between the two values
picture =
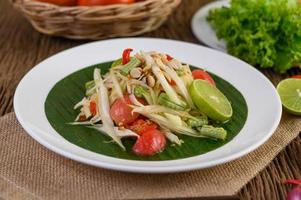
30	171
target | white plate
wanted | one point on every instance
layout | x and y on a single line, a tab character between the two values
264	107
203	30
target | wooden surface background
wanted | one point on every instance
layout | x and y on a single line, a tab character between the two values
21	47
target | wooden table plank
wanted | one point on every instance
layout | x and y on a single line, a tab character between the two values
21	47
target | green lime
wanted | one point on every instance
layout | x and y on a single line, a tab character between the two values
290	94
210	100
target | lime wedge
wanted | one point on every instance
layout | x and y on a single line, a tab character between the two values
290	94
210	101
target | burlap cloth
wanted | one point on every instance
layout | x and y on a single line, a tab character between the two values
30	171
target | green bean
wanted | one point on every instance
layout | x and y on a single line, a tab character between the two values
165	101
213	132
134	62
199	121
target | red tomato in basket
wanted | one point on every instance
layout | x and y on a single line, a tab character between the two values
103	2
61	2
121	112
201	74
150	143
297	76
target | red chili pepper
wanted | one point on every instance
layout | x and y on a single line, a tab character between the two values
82	118
93	109
297	76
294	182
168	57
172	83
126	56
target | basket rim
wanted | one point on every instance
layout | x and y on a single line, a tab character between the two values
143	2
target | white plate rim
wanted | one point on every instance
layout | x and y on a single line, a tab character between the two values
138	166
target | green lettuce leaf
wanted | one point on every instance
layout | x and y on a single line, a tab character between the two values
264	33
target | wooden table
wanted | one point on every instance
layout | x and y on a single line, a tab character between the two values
21	47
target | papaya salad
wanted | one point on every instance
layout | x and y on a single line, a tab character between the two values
153	98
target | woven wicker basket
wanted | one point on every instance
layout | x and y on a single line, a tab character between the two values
98	22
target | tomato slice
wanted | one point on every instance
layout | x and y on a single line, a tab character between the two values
297	76
201	74
141	126
150	143
126	56
121	112
93	108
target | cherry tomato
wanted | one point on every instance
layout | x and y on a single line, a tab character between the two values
126	56
93	108
121	112
141	126
297	76
103	2
201	74
168	57
150	143
61	2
